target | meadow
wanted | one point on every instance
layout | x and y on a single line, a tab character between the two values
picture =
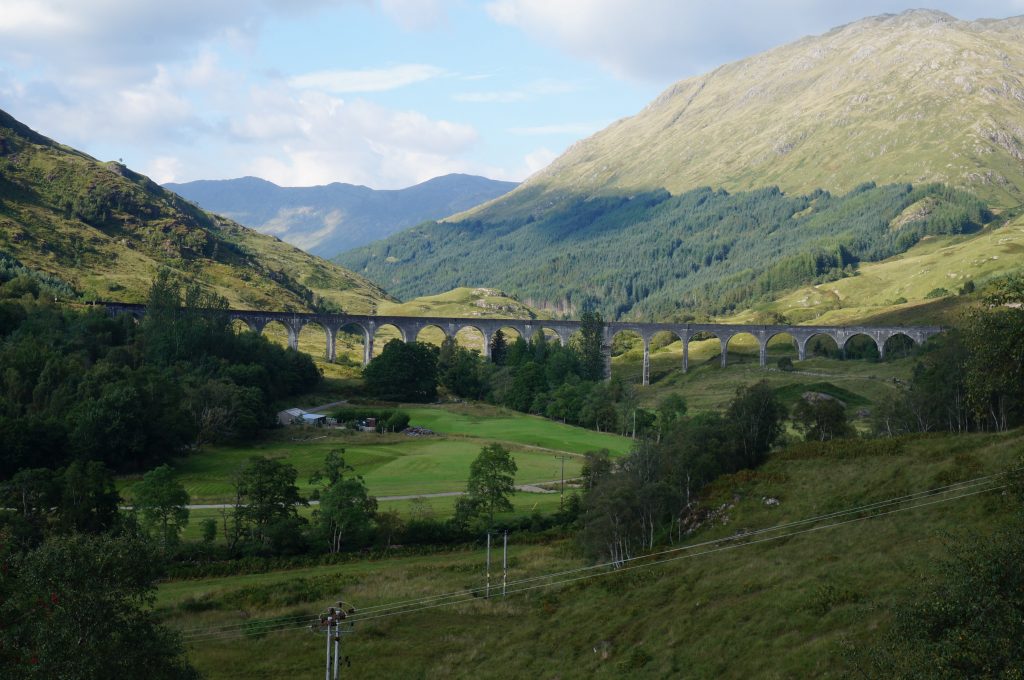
790	607
396	464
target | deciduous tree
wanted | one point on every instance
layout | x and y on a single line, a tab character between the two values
80	607
162	503
346	510
492	478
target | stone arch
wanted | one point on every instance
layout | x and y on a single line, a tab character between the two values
898	345
279	332
550	334
861	346
316	339
382	335
353	340
705	345
779	345
662	347
431	333
473	338
820	344
748	345
633	352
239	325
511	334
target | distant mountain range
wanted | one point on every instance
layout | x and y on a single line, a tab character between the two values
106	230
917	98
330	219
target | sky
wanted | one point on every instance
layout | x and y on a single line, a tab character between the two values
385	93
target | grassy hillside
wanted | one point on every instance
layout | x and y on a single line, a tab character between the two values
915	97
106	230
465	302
783	608
919	286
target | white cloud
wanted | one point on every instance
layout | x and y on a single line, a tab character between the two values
163	169
664	40
538	160
174	89
416	15
367	80
308	137
125	34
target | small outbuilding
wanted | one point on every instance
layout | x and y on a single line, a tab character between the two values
317	419
290	416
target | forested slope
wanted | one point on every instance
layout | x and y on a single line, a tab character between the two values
653	255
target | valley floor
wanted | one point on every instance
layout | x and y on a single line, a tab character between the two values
786	607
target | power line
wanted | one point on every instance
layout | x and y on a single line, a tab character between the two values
473	592
692	555
779	527
469	598
458	597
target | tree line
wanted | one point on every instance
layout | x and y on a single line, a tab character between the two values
538	376
78	385
969	378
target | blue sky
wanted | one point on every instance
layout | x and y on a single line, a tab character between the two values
385	93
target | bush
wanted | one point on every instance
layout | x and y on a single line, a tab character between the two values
388	419
841	449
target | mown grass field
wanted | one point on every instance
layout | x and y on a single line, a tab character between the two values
481	421
395	464
779	609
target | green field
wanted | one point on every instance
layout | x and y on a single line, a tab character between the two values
524	504
785	608
396	464
510	426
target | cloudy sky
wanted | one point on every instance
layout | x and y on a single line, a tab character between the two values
385	93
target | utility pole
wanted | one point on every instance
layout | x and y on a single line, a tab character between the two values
488	590
330	624
561	484
504	564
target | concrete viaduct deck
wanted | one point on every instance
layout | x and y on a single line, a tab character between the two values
408	328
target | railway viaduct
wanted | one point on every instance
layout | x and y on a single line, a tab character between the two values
408	328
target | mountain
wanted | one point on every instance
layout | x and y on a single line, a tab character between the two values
914	97
327	220
895	105
107	230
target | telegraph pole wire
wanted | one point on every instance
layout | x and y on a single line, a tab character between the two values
877	508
